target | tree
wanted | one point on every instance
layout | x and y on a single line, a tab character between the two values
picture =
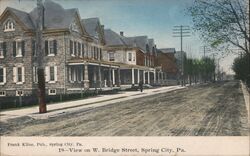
222	23
242	69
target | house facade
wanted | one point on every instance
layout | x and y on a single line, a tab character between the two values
73	59
79	54
136	57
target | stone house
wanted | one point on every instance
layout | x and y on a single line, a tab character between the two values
73	52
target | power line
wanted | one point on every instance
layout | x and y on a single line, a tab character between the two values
181	31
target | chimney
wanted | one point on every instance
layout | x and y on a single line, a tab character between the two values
121	33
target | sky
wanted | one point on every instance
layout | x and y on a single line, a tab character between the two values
154	18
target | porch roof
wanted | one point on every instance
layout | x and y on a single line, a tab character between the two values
130	66
82	61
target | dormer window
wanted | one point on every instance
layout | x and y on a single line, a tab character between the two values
9	26
74	27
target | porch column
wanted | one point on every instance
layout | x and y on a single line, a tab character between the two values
94	71
144	77
162	77
154	76
138	76
113	73
158	75
100	76
110	78
133	76
148	77
119	77
86	76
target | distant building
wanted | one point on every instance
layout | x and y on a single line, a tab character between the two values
166	59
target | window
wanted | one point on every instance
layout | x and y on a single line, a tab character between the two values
100	54
2	93
18	75
75	44
51	47
18	48
2	75
9	26
52	91
79	49
111	56
34	48
51	74
19	93
71	48
82	50
2	49
129	56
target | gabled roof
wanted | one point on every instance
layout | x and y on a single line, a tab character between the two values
90	25
55	16
137	41
113	39
22	16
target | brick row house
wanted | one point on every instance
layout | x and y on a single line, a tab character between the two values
79	54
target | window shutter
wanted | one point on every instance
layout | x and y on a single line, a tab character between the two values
4	75
33	47
55	72
23	74
46	47
14	48
47	74
23	48
34	74
69	74
4	49
71	47
79	49
14	74
55	47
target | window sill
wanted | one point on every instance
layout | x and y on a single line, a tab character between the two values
52	82
19	55
1	57
19	83
8	30
2	83
51	55
52	94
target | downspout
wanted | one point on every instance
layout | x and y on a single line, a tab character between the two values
64	84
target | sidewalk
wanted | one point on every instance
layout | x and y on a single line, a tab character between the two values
82	105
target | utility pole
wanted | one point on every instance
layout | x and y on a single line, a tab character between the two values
40	57
181	31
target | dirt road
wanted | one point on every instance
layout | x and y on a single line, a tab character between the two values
205	110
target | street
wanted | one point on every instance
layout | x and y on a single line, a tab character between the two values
203	110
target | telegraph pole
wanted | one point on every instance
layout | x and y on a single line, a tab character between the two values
181	31
40	57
